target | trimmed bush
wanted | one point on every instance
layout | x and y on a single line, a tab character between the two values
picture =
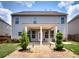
59	44
24	40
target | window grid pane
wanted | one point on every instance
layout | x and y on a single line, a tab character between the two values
62	20
46	34
51	34
19	33
17	20
33	34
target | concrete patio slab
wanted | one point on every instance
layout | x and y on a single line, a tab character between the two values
67	43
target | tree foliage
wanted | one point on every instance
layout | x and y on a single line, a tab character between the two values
24	40
59	39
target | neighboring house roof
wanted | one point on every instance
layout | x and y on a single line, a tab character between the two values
74	18
39	13
4	21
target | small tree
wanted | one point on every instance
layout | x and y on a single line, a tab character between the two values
59	44
24	40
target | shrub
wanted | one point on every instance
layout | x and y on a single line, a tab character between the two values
59	44
24	40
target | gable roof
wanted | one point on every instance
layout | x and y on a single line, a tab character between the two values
74	18
4	21
39	13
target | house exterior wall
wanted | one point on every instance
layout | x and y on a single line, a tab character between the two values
5	29
73	26
40	20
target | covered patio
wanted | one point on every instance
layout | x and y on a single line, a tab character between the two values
41	28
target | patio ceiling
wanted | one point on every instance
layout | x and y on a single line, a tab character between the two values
37	26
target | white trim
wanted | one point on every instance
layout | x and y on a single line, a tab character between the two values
49	36
26	29
55	32
41	38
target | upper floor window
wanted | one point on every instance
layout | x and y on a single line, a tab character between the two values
34	20
62	20
17	20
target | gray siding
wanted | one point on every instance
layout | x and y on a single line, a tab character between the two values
41	20
5	29
73	26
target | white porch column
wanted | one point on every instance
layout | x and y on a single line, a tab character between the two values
25	29
49	36
55	32
41	38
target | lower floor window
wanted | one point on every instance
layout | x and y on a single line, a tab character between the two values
52	34
33	34
19	33
46	34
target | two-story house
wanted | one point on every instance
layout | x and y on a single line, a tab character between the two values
39	25
73	26
5	28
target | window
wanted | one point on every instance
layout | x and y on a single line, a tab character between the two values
52	33
17	20
28	33
19	33
46	34
62	20
34	19
33	34
34	22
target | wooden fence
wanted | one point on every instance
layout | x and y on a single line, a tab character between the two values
4	38
74	37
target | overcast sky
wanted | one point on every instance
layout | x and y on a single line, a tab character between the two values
8	7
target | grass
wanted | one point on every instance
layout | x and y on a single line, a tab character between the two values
7	48
74	47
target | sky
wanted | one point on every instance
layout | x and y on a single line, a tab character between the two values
9	7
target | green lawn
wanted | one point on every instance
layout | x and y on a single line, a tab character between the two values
74	47
7	48
75	43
